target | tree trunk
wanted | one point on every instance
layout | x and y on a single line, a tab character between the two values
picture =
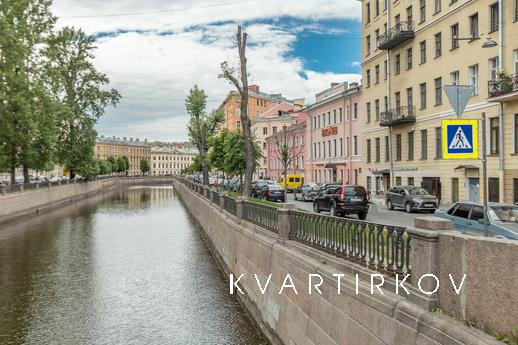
205	171
13	175
26	178
286	184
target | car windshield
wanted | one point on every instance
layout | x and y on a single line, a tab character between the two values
504	213
275	187
417	191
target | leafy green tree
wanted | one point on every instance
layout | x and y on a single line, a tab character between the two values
80	88
217	151
27	113
104	167
235	155
113	164
201	126
126	164
121	164
144	166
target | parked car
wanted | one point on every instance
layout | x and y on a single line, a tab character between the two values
257	185
343	200
271	192
308	191
294	182
411	198
468	217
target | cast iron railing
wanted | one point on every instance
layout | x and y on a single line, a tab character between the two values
398	115
215	198
263	215
397	34
381	247
502	86
229	204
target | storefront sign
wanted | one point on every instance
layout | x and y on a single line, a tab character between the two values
329	131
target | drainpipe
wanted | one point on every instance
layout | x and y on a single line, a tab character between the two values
389	101
501	104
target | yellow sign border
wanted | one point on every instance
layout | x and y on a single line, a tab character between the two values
445	154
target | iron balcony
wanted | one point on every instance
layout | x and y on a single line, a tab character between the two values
398	34
398	116
505	88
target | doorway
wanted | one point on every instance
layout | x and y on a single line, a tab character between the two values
474	189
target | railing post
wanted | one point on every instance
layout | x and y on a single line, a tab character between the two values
21	187
284	222
211	196
3	190
424	254
239	209
222	196
206	191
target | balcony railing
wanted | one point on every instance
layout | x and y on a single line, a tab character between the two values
504	85
398	116
399	33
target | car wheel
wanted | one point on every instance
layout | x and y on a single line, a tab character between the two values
408	207
390	205
332	211
362	215
315	207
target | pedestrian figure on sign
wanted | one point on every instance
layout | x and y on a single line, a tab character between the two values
460	140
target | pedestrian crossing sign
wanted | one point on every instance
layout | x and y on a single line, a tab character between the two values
460	139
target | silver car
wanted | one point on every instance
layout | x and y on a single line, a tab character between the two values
308	191
468	217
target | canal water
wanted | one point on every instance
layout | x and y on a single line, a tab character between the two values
125	268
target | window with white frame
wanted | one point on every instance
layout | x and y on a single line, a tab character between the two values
493	68
454	78
473	78
515	68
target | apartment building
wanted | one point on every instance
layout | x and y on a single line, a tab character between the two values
135	149
258	103
170	161
410	50
334	125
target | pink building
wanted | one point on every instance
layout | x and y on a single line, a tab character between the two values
333	135
294	137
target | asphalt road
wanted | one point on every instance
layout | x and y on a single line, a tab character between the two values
377	213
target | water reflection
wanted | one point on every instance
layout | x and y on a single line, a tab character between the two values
123	268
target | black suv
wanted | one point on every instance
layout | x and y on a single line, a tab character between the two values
341	200
411	198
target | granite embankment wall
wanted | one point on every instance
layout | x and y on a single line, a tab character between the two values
34	201
348	317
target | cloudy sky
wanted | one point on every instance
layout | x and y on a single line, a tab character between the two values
153	51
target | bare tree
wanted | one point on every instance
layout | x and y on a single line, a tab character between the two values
287	151
239	78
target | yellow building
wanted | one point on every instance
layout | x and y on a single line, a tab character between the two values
171	161
258	103
135	149
410	50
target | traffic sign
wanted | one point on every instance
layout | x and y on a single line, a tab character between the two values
460	139
458	95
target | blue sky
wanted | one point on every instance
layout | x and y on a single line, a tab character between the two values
154	51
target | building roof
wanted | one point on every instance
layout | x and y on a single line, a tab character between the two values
122	141
176	150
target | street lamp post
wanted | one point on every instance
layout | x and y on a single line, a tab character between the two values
484	174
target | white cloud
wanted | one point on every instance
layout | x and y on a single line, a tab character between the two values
356	64
154	71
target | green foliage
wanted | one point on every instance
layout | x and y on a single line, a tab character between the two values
144	166
105	167
195	167
121	164
113	164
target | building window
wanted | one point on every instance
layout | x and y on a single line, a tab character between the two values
424	144
454	78
334	116
438	44
422	50
438	91
493	190
368	42
493	135
516	10
378	148
355	110
409	15
385	70
368	13
398	100
454	35
376	8
368	78
515	133
473	78
274	129
437	6
340	114
368	150
398	180
368	105
409	58
493	68
398	64
265	130
377	74
411	146
387	149
398	147
385	101
377	35
377	106
409	97
422	91
473	26
438	142
341	147
493	17
355	141
422	11
410	181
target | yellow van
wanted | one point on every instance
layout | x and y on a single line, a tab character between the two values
294	182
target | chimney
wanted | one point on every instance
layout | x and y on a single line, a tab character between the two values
145	140
124	139
137	140
253	88
353	85
131	139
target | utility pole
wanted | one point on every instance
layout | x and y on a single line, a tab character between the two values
484	175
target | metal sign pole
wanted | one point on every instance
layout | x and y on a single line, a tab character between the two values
484	175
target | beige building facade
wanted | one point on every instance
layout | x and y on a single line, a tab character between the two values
170	161
135	149
411	49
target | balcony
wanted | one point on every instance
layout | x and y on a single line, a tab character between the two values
503	89
398	34
397	116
